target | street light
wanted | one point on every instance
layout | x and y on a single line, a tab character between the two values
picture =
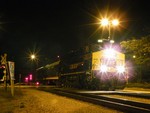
33	57
109	23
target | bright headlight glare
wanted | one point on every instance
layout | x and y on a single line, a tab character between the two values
103	68
109	53
120	69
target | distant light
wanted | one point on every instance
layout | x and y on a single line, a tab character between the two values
134	56
120	69
30	77
100	41
37	83
103	68
26	79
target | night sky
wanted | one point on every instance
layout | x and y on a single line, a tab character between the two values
55	27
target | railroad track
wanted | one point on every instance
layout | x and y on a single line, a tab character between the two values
118	104
146	96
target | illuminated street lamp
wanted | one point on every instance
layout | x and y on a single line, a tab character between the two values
109	23
33	57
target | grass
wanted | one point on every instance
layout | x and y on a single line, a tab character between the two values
138	85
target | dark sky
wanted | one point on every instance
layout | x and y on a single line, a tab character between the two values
54	27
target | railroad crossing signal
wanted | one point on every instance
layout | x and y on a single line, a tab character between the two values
4	62
3	59
11	68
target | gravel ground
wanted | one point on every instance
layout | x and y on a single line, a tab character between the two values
35	101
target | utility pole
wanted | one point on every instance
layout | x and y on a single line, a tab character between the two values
11	66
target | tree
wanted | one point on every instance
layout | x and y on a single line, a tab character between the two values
140	49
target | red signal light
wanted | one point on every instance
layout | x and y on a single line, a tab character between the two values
2	67
30	77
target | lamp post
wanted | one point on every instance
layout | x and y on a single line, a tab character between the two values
33	58
109	23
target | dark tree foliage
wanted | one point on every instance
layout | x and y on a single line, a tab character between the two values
140	49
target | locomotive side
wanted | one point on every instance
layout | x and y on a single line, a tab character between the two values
75	68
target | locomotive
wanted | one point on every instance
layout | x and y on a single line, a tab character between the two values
90	68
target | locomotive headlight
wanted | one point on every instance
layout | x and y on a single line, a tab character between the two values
103	68
120	69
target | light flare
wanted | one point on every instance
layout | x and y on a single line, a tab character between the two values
110	53
103	68
120	69
104	22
